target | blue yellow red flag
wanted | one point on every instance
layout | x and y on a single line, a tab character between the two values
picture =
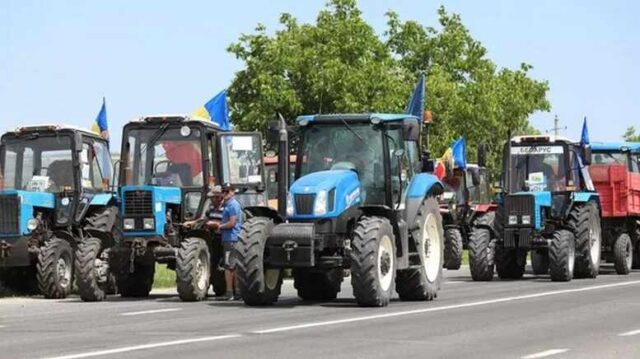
216	110
100	125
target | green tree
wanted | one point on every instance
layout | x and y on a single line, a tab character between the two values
630	135
339	64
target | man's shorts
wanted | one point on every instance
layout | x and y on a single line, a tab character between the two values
229	249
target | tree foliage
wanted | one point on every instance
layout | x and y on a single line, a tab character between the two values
630	135
339	64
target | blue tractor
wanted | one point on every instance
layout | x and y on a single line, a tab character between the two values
168	164
55	193
549	207
360	203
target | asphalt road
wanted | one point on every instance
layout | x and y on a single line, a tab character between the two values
530	318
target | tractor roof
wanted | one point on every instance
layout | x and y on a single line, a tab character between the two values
541	139
52	127
356	117
176	118
616	146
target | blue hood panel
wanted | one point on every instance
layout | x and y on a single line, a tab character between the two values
28	201
346	185
160	197
541	199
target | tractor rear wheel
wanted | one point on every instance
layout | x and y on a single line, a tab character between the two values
423	282
373	262
585	222
453	248
314	286
510	262
482	248
540	261
55	268
636	249
623	254
257	284
193	269
92	270
562	255
137	284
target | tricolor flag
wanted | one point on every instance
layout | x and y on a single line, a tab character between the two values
216	110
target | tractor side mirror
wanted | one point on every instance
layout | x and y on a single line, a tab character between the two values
427	164
586	155
482	155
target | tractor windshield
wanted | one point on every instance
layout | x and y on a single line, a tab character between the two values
537	168
356	146
38	163
164	156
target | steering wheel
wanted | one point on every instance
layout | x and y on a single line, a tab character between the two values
155	168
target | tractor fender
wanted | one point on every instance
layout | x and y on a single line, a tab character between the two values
421	186
585	197
262	211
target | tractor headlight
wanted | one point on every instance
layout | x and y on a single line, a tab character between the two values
33	224
320	206
526	220
148	223
289	204
129	224
513	220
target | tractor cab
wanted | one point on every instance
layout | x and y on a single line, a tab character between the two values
548	193
168	164
358	190
51	177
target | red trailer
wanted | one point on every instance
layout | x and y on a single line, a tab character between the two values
616	176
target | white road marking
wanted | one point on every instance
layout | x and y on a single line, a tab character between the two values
628	334
146	346
152	311
348	320
2	326
442	308
546	353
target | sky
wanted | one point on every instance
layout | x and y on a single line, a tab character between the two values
58	59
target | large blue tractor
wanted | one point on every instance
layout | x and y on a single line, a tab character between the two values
54	194
360	203
549	207
168	164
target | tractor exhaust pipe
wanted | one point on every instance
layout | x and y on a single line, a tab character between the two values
283	166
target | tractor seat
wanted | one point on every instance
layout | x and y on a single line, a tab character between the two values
183	170
61	173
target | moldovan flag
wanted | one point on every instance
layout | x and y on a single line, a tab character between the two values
100	125
216	110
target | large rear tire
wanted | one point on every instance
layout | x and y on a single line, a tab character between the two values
623	254
510	262
55	268
92	270
453	248
482	249
257	284
562	254
540	261
137	284
373	262
314	286
585	222
193	269
423	282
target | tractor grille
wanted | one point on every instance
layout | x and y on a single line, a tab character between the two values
138	204
9	214
304	203
519	206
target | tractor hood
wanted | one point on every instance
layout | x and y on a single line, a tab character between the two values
17	208
147	203
341	188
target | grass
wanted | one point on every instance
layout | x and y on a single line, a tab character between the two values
465	257
164	277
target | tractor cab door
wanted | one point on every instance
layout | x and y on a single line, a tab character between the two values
96	171
242	166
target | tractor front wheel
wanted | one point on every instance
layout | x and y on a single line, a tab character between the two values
55	268
193	269
623	254
585	222
562	254
452	248
482	249
92	270
540	261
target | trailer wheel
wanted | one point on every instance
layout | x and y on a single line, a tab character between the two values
314	286
585	222
373	262
137	284
510	262
55	268
423	282
540	261
92	270
453	248
482	249
623	254
562	256
257	284
193	269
